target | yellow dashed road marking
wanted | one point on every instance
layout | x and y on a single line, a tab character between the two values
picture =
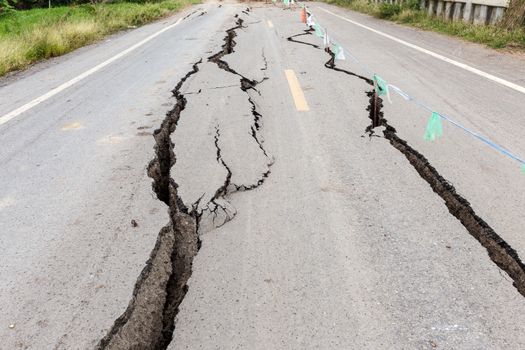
297	92
72	126
111	139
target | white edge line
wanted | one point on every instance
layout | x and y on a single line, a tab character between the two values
13	114
436	55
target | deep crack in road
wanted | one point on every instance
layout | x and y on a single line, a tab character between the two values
499	251
149	320
274	203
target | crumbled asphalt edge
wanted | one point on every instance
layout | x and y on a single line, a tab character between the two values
148	321
201	13
188	15
499	251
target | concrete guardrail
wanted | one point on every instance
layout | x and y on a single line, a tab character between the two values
471	11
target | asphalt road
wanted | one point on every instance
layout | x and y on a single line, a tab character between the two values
299	230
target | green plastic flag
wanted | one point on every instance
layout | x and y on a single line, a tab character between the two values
434	127
326	40
338	52
523	167
381	87
318	30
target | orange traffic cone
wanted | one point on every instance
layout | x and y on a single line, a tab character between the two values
303	15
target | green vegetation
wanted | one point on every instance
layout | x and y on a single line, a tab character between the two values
5	6
515	15
409	13
31	35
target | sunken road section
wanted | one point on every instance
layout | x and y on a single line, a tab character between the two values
149	320
499	251
246	85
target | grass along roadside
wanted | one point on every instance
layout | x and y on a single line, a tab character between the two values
32	35
409	14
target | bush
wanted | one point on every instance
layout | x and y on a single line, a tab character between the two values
409	13
412	5
5	7
388	10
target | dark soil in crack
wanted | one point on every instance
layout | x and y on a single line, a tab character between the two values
223	190
499	251
306	32
148	322
330	64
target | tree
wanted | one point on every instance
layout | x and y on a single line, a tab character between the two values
515	15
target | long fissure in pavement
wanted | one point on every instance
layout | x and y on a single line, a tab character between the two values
149	320
499	251
246	85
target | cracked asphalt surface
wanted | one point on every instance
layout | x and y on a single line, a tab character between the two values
265	227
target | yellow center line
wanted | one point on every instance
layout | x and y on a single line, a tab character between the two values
72	126
297	92
270	24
